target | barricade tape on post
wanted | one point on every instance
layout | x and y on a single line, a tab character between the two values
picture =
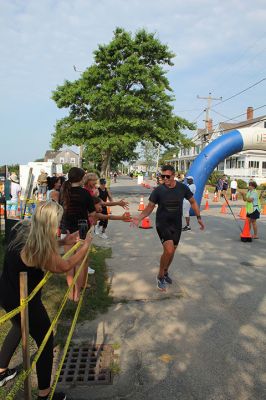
24	374
47	276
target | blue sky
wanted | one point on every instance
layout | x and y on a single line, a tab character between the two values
220	48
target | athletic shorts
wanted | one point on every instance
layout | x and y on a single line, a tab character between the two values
169	233
186	209
233	191
254	215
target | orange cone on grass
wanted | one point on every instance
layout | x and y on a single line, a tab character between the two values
245	235
206	195
141	204
243	213
223	209
145	223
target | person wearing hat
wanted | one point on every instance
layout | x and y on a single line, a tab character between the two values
42	185
186	204
15	191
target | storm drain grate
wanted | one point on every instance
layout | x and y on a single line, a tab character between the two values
87	365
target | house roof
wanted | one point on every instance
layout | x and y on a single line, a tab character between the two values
51	154
226	127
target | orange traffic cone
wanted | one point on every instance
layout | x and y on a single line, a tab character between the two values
145	223
207	205
141	204
223	209
243	213
109	211
263	212
206	195
245	235
215	198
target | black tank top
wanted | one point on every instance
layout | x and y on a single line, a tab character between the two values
103	194
9	280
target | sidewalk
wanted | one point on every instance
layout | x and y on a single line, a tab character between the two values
202	340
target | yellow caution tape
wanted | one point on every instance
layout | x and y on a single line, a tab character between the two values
25	374
47	276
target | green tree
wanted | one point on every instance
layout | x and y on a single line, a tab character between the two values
150	153
123	98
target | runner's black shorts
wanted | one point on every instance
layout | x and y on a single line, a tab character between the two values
169	232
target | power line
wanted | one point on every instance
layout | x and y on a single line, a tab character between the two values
198	116
224	116
233	118
237	94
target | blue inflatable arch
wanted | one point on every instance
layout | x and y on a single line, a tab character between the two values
221	148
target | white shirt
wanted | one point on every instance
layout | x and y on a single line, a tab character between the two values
233	184
15	189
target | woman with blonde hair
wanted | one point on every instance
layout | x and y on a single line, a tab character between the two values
33	248
89	183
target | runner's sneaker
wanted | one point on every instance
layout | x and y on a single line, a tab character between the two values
186	228
168	279
161	284
91	271
56	396
103	236
7	375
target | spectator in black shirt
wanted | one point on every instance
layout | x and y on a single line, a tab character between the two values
169	196
78	205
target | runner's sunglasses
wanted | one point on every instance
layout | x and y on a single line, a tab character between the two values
166	176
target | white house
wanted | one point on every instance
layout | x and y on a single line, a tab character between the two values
244	165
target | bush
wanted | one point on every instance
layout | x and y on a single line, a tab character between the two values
241	184
262	186
213	178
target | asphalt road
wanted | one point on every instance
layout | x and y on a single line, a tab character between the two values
202	340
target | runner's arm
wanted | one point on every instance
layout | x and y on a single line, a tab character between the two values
147	211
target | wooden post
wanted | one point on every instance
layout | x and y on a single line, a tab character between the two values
23	283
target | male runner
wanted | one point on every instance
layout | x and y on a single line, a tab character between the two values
169	196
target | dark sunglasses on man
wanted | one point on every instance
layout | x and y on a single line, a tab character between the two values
165	176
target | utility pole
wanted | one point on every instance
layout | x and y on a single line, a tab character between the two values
207	110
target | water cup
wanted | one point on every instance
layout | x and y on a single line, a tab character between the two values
83	228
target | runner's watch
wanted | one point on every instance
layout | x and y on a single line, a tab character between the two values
198	216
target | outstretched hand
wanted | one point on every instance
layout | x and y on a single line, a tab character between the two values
135	222
126	217
123	204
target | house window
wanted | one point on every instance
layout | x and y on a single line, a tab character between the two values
253	164
62	160
263	164
72	160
